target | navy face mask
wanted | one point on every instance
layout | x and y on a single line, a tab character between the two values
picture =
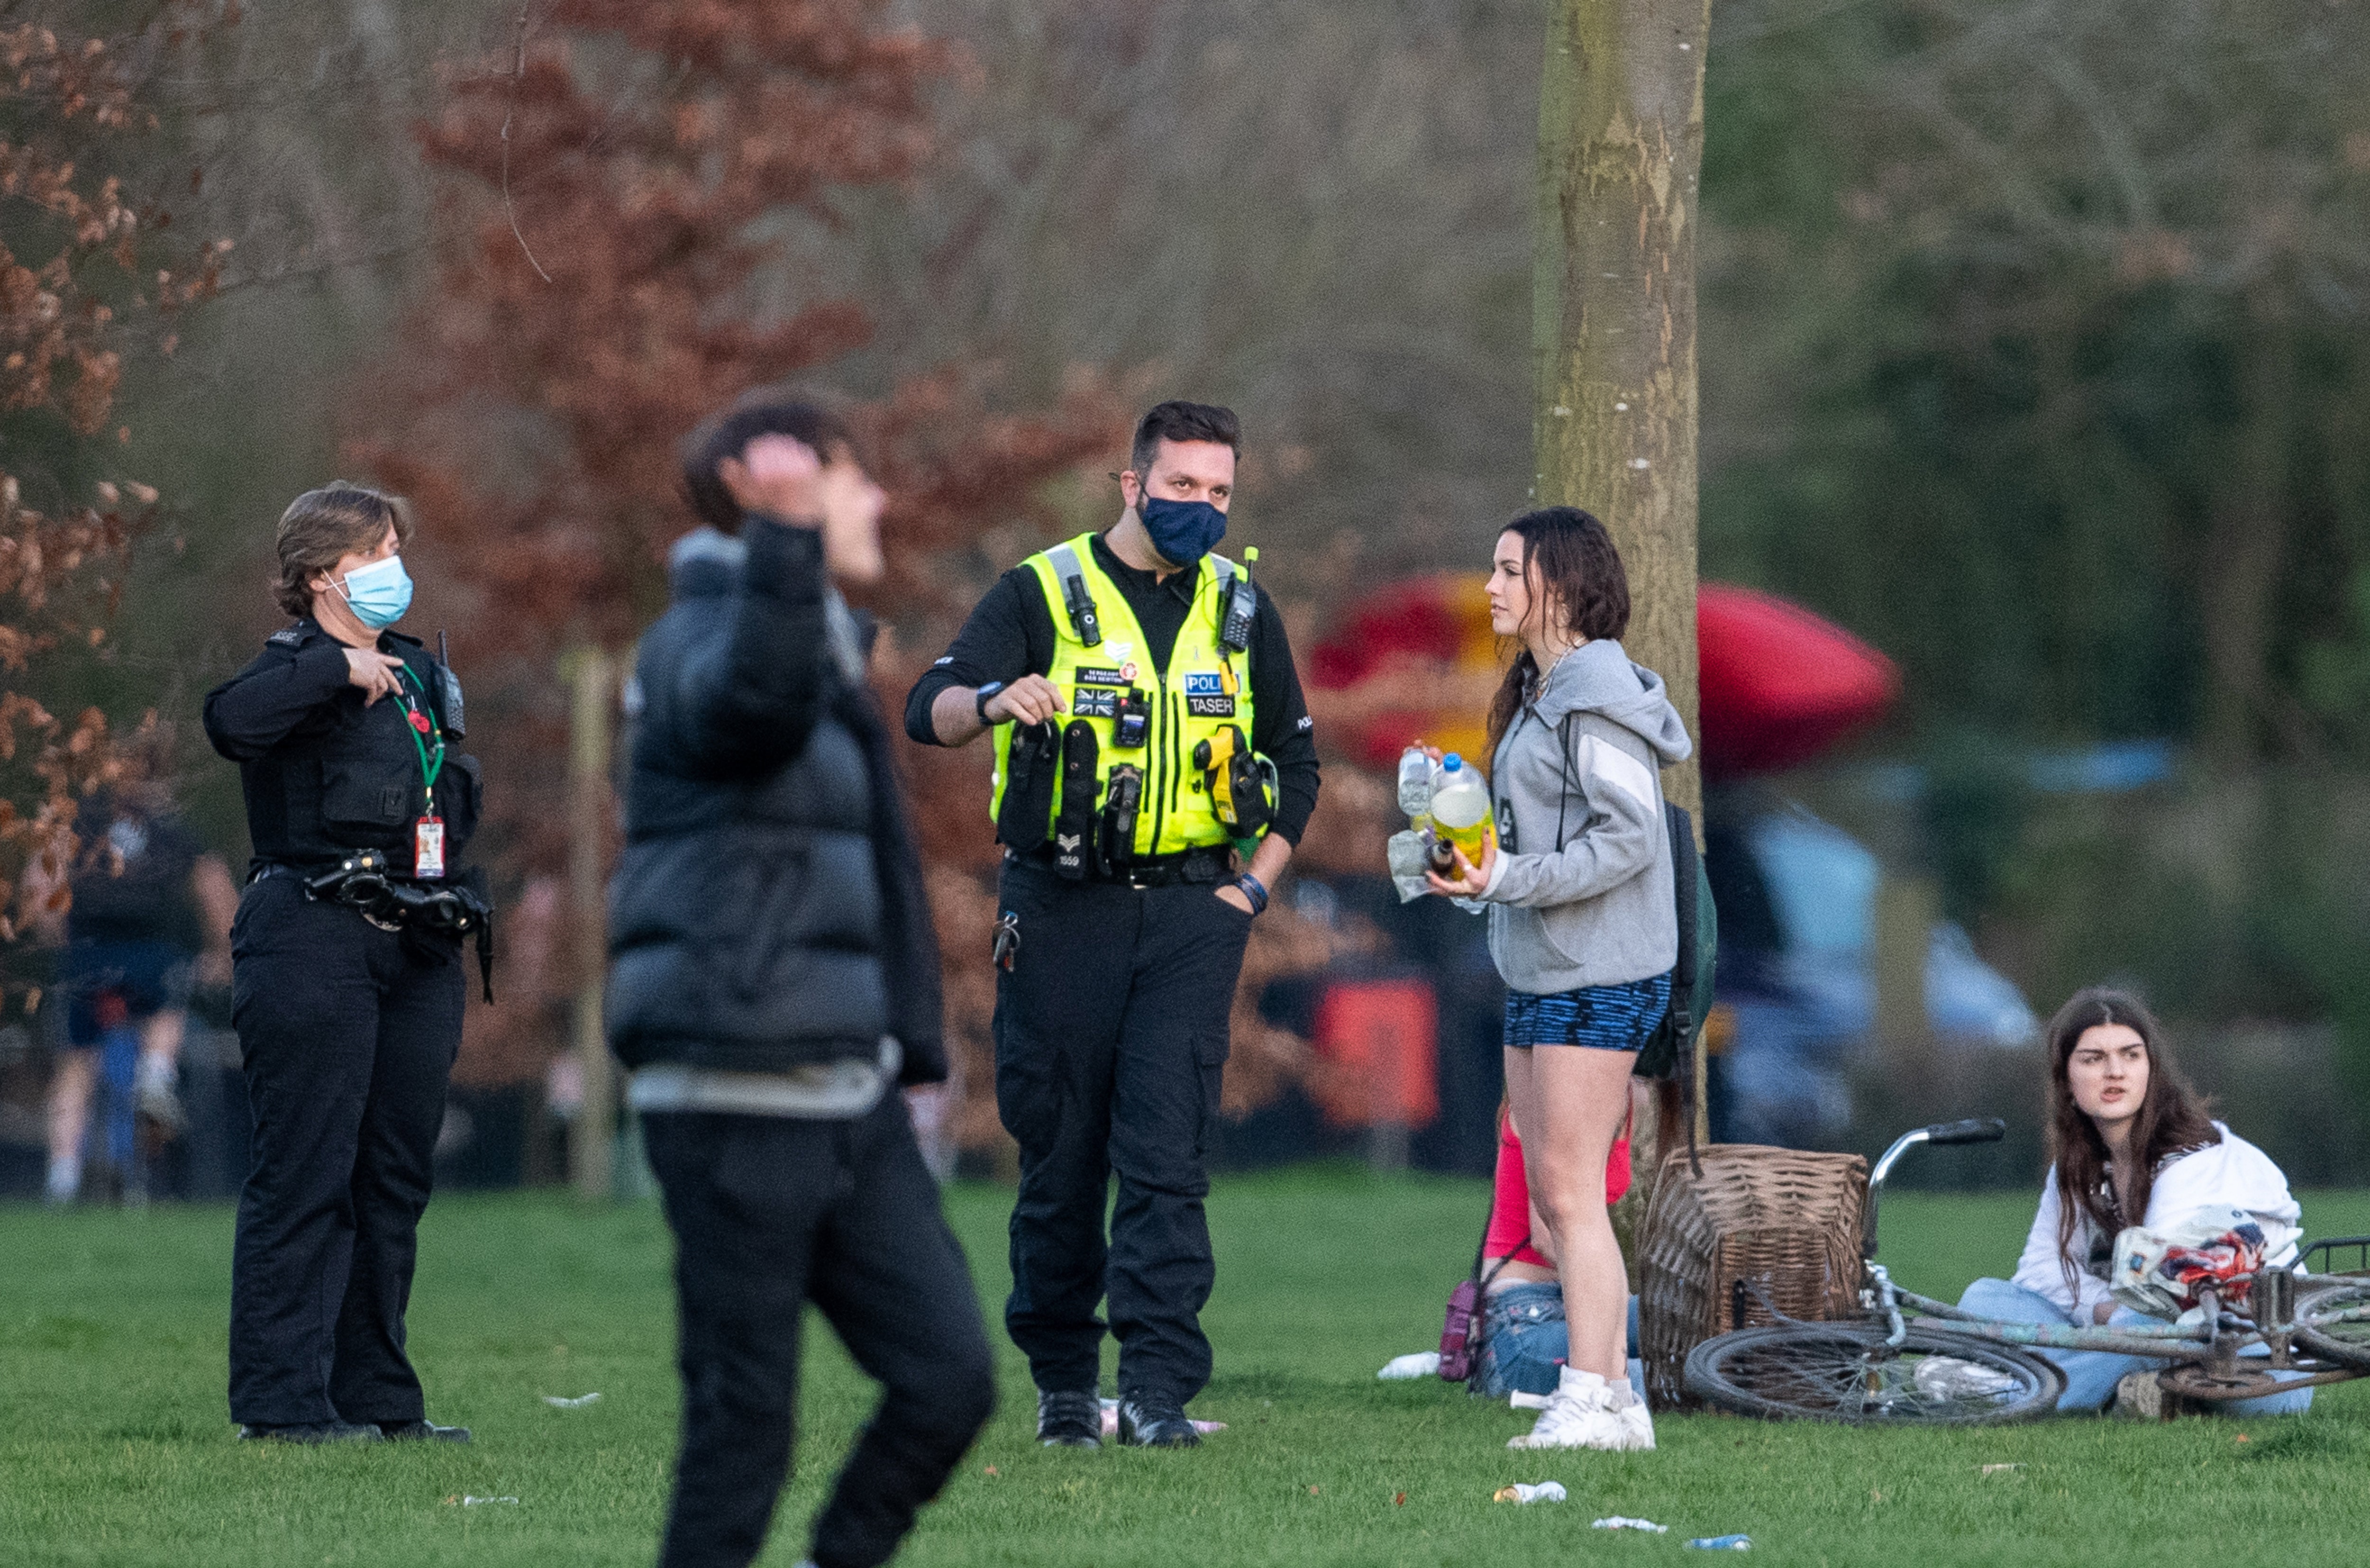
1183	531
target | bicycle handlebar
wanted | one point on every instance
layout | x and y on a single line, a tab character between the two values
1974	1129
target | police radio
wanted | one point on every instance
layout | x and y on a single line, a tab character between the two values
1242	609
448	692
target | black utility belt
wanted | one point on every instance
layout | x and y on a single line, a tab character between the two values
363	882
1201	867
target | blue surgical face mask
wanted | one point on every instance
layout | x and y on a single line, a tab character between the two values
379	593
1183	531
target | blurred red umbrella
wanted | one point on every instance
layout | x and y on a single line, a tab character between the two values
1780	686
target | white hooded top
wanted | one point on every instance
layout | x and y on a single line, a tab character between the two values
2233	1173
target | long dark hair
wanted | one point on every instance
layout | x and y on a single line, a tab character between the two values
2172	1119
1570	566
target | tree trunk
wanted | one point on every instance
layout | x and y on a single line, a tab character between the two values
2248	542
1614	307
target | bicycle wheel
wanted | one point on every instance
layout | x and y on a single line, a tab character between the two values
1845	1372
2334	1323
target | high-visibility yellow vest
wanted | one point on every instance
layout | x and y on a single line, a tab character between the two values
1205	691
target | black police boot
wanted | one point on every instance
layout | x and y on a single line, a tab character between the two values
1071	1418
1155	1421
311	1432
422	1432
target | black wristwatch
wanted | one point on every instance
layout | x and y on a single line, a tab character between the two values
979	704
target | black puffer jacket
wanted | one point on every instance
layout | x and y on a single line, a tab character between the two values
769	912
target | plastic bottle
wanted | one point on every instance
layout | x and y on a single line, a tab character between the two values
1415	783
1460	806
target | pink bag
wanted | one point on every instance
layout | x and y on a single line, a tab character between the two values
1459	1333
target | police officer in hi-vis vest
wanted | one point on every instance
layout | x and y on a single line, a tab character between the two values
1154	768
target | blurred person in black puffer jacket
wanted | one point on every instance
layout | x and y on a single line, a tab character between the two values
774	980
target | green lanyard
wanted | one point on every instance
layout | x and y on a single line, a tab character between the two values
429	768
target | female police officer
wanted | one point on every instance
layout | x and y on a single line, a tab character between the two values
348	986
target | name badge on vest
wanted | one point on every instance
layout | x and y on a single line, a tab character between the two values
428	847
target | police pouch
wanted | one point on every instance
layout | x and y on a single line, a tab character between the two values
1074	829
1120	812
1031	770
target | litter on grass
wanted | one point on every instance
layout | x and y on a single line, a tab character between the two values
578	1402
1997	1470
1523	1492
476	1502
1722	1543
1110	1421
1520	1401
1415	1364
1619	1522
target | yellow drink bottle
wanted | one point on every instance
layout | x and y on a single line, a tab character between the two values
1460	806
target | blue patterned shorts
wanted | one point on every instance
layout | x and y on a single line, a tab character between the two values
1606	1018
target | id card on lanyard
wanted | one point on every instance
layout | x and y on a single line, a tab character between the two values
428	832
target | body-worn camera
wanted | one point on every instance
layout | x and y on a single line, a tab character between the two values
1130	720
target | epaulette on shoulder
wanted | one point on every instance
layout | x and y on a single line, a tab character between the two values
287	636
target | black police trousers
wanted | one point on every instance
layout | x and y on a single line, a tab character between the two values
768	1214
348	1034
1111	1040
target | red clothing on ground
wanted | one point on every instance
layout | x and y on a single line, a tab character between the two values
1509	1201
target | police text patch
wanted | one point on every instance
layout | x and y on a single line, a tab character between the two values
1095	675
1203	686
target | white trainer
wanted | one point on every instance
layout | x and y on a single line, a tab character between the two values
1631	1415
1576	1416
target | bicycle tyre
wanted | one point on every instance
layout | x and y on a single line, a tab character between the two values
1844	1372
2346	1344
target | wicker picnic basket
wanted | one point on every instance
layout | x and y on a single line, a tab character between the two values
1783	1220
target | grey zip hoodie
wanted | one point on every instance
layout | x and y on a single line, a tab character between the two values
1599	910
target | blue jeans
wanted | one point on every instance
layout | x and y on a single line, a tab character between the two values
1524	1341
2091	1375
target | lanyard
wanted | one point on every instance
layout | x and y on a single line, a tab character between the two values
420	725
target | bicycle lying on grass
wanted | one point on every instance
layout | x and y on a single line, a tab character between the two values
1912	1360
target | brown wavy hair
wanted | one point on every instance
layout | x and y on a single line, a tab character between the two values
2172	1119
322	527
1573	569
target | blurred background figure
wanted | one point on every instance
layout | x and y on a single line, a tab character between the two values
151	908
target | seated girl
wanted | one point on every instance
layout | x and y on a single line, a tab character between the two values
2132	1145
1524	1341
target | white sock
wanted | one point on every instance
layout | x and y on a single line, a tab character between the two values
158	1073
65	1175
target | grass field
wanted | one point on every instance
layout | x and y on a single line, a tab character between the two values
115	1447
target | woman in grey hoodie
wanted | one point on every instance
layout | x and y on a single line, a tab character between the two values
1582	921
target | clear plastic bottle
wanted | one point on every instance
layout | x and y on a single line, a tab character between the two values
1415	783
1460	806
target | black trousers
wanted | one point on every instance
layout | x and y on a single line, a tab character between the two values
348	1034
1111	1040
770	1213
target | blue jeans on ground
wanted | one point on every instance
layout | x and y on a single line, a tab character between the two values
2091	1375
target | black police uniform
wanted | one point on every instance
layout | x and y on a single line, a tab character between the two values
1111	1025
347	1029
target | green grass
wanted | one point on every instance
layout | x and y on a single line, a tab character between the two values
115	1447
